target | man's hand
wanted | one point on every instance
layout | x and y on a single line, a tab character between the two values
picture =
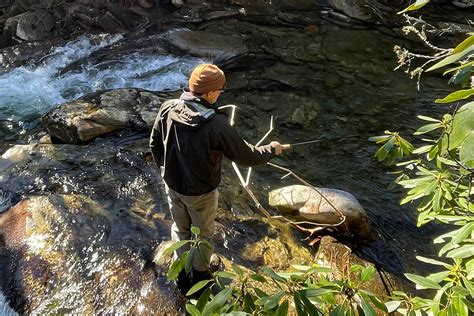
279	148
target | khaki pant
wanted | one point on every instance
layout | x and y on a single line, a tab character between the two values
199	211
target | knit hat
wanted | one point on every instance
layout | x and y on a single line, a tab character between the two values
205	78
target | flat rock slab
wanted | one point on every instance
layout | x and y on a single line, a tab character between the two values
103	112
206	44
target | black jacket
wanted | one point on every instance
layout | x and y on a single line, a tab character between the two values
188	141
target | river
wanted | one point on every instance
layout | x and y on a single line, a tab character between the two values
345	93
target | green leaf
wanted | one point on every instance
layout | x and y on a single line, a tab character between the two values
340	310
468	42
196	287
367	274
320	270
203	299
268	271
432	261
301	267
249	304
236	313
456	96
415	6
462	126
282	310
427	128
392	306
309	307
464	251
260	293
379	139
469	285
317	292
422	149
258	277
439	276
225	275
368	310
195	230
422	282
451	59
175	269
459	307
273	301
237	270
427	118
174	247
375	300
300	310
466	152
189	260
463	233
192	310
217	302
469	64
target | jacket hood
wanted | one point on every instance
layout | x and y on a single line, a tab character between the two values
188	110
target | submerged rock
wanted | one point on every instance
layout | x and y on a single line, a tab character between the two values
103	112
323	205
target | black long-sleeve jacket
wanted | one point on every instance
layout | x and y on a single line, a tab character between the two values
188	141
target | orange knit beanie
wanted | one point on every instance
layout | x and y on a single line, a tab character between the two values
205	78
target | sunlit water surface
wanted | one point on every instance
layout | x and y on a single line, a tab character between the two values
70	71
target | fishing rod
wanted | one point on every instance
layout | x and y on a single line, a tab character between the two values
318	140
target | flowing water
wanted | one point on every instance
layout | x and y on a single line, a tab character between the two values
70	71
116	177
5	310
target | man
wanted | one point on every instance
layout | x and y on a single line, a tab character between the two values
188	141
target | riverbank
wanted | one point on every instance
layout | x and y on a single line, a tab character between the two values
318	76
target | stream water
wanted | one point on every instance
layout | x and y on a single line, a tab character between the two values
71	71
358	102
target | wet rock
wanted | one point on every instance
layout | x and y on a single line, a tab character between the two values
333	254
357	9
70	238
207	44
323	205
303	116
103	112
31	26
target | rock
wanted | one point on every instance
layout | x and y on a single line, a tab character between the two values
303	116
103	112
357	9
207	44
324	206
31	26
335	255
76	240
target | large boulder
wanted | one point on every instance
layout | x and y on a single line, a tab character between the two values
82	228
31	26
323	205
103	112
76	243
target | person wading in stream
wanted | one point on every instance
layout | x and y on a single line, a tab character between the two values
188	140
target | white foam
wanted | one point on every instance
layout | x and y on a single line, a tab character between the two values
5	310
31	90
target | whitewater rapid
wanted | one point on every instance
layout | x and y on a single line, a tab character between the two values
71	71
